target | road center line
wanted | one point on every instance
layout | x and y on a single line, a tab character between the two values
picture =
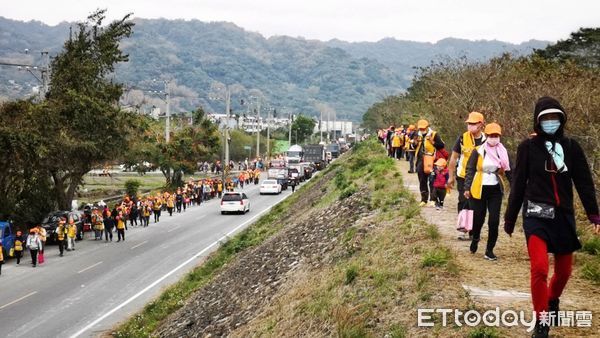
173	228
138	245
141	292
18	300
89	267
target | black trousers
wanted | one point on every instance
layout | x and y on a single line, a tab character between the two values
108	232
156	215
33	254
491	201
18	255
440	195
411	160
120	234
423	182
61	246
170	210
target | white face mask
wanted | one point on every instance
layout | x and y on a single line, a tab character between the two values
493	141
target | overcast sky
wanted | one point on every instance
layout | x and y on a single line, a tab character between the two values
351	20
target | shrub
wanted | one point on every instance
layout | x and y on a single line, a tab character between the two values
131	187
436	257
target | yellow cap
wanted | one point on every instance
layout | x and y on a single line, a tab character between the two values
422	124
475	117
493	128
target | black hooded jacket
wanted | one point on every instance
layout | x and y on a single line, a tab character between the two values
533	177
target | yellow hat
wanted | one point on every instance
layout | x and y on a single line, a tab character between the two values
475	117
411	127
422	124
493	128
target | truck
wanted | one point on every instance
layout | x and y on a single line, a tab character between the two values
294	154
315	153
279	174
334	149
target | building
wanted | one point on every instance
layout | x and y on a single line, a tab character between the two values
335	129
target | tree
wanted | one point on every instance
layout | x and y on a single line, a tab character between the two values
87	127
302	128
583	47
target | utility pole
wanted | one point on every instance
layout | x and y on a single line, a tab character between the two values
168	121
226	131
45	74
269	135
258	130
328	131
290	129
321	128
334	127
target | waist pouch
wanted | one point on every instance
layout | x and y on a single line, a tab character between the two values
539	210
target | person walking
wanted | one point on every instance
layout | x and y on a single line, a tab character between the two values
109	223
157	208
410	145
61	235
133	214
484	188
147	213
440	179
71	234
466	144
34	244
179	200
170	204
19	242
120	227
397	144
547	166
97	224
428	142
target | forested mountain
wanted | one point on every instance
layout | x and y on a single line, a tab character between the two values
303	76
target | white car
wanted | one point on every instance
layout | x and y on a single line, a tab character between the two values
236	202
270	187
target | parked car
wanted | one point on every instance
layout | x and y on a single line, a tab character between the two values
7	237
270	187
50	223
236	202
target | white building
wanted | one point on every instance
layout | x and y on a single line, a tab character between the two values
337	128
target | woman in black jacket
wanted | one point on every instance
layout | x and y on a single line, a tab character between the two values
547	165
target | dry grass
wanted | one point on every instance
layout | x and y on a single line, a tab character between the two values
378	281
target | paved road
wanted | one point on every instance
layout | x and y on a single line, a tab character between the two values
100	284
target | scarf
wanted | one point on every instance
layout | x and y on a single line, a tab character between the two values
498	155
558	155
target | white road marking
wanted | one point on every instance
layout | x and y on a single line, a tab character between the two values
141	292
89	267
173	229
200	217
17	300
138	245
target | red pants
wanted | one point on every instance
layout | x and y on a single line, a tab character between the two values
541	292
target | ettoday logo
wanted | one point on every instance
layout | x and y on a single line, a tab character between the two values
507	318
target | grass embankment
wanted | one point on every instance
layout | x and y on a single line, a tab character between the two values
392	264
174	297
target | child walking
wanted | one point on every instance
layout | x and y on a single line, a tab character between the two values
440	181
